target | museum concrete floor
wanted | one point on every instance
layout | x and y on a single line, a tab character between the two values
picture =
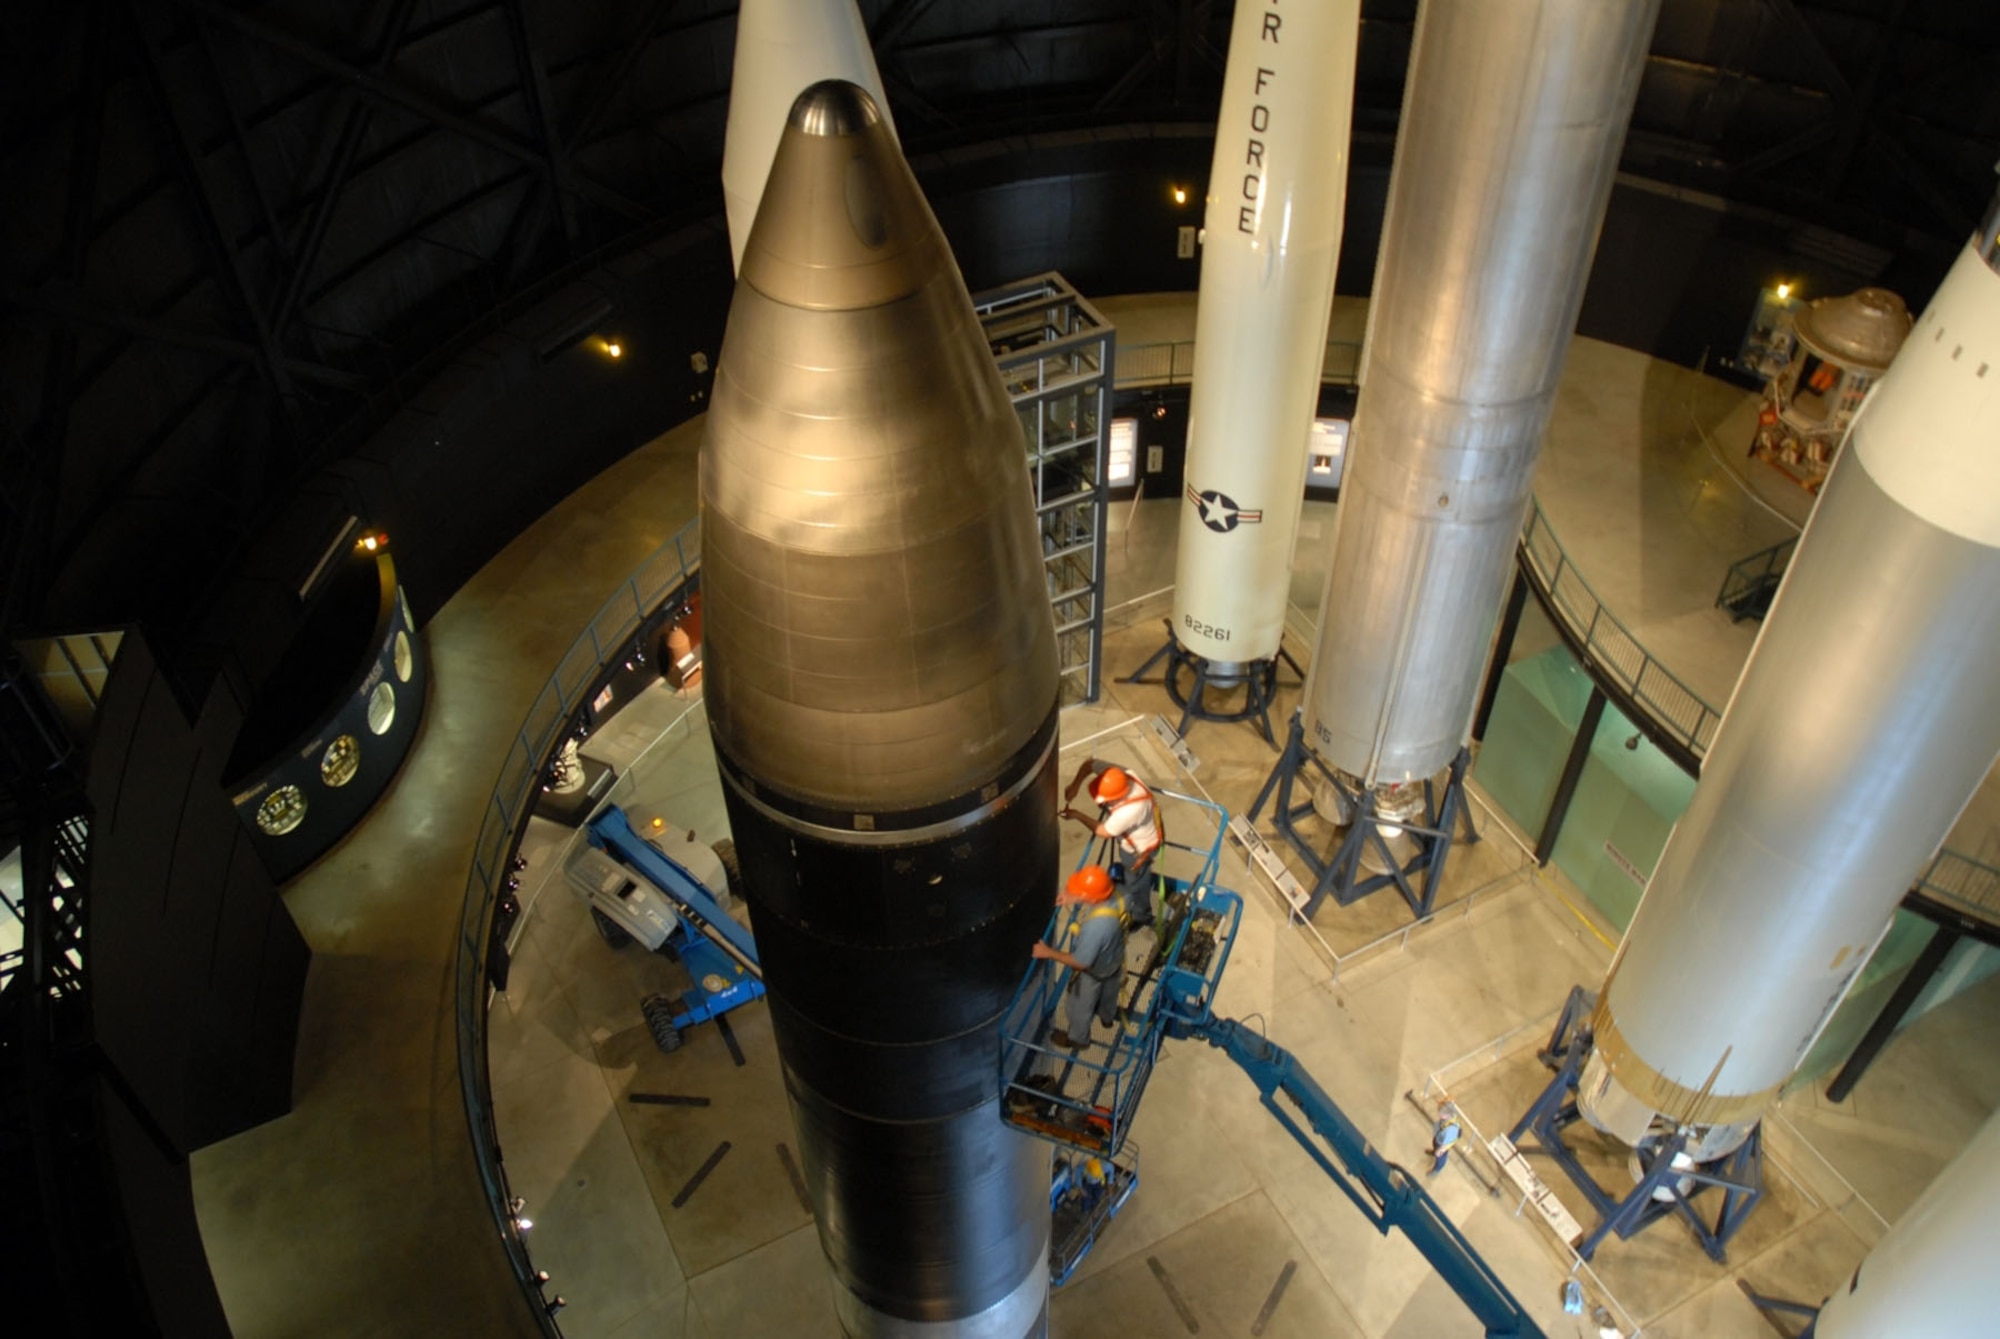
360	1212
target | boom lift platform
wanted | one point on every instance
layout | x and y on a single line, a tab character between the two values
718	952
1084	1102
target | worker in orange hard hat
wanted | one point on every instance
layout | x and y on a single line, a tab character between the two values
1129	817
1096	956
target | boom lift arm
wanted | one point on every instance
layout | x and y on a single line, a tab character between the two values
1384	1192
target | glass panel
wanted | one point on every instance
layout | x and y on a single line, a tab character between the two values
1627	801
1535	716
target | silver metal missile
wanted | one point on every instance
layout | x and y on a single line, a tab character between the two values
1866	716
1511	131
881	687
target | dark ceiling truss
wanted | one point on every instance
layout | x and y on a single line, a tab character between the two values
623	60
33	462
389	91
132	466
355	116
201	192
311	198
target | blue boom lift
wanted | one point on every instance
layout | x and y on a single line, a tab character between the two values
719	954
1086	1106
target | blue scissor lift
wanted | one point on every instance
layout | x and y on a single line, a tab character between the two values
1085	1102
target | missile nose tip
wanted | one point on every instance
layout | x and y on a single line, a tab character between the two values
834	107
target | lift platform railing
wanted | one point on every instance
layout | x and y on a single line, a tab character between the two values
1071	1099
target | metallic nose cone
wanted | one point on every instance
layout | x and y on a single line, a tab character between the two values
879	632
834	107
881	690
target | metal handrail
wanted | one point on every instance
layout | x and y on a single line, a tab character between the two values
1677	710
1747	574
1171	363
604	638
1952	877
1965	884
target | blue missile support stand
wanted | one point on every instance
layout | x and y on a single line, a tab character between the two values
1663	1189
1339	874
718	952
1259	681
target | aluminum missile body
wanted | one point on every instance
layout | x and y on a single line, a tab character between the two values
1932	1276
1866	716
881	689
1513	121
1277	197
783	47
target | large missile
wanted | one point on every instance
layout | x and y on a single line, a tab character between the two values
1276	199
881	688
782	48
1866	716
1513	120
1932	1276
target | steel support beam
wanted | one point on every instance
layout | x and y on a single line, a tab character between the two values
535	94
1942	941
606	89
1579	754
353	132
32	494
227	261
415	232
896	20
1854	115
394	93
1503	649
65	311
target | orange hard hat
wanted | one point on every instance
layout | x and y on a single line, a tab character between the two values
1113	784
1089	884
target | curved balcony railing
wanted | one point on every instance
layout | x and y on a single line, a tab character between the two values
1171	363
1609	646
491	884
1673	710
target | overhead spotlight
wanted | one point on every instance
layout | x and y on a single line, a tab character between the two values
1784	290
557	1303
613	349
373	542
1159	411
516	1207
541	1277
1180	195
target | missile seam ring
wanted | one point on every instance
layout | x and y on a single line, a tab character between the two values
858	836
1688	1106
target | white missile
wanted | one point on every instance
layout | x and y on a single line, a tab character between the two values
1276	198
1932	1276
1866	716
783	47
